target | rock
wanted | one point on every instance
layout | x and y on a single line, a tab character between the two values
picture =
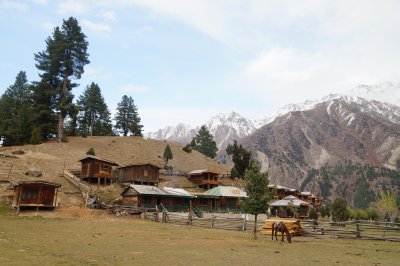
34	173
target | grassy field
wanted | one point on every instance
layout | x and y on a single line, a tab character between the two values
124	241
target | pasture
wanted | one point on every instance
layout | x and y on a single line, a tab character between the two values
124	241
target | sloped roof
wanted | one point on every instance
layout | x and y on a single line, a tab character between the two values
140	164
177	192
199	172
98	159
147	190
36	182
306	193
289	199
226	191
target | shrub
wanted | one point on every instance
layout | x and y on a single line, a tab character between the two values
397	220
187	148
373	214
339	210
91	152
64	139
36	137
313	214
234	172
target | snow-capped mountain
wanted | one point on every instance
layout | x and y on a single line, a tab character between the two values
225	128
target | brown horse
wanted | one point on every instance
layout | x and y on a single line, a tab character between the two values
281	227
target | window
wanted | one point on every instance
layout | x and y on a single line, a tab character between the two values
145	172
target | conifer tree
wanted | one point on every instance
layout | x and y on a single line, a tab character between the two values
203	142
15	112
258	195
127	117
167	154
64	58
240	157
94	116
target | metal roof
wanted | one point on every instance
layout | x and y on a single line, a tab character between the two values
140	164
98	159
36	182
226	191
147	190
289	199
203	171
177	192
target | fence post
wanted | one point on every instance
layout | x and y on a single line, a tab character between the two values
244	222
157	218
212	221
358	229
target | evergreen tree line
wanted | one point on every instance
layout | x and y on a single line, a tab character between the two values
43	110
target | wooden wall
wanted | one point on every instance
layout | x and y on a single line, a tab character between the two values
35	195
92	168
139	174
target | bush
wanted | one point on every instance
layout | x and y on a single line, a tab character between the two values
187	148
339	210
91	152
397	220
234	173
313	214
373	214
64	139
36	137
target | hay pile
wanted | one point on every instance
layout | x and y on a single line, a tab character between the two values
293	225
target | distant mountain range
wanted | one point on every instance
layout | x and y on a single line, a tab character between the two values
324	133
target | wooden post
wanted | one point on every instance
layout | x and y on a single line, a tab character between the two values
157	212
55	197
38	199
98	183
212	221
19	198
244	223
190	212
9	172
358	229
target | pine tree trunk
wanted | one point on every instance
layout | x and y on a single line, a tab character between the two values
60	130
61	115
255	226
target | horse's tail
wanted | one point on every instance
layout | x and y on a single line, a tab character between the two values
273	230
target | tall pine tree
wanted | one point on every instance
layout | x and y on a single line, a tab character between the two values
64	58
240	157
15	112
94	117
127	117
203	142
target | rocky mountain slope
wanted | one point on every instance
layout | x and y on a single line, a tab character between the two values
339	128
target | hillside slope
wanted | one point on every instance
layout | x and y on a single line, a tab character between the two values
50	158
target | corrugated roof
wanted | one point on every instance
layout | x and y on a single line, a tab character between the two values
140	164
306	193
147	190
226	191
289	199
98	158
199	172
177	192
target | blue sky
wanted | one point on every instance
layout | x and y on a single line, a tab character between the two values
184	61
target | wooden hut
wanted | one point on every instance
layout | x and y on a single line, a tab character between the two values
206	179
97	170
220	198
140	174
35	194
173	199
281	208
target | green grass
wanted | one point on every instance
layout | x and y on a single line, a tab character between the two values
112	241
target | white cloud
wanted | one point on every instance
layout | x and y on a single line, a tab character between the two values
72	7
95	73
13	5
110	15
98	27
131	88
40	2
48	25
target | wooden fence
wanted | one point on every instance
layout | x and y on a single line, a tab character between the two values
354	229
351	229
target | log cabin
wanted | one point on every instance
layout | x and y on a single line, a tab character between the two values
281	208
220	198
206	179
139	174
39	194
172	199
97	170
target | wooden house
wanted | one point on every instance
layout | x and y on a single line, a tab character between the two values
220	198
39	194
140	174
172	199
97	170
206	179
281	208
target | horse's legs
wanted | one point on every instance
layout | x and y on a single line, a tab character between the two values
282	235
272	234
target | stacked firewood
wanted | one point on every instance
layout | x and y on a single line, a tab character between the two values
293	225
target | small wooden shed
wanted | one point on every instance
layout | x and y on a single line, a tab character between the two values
206	179
97	170
220	198
140	174
35	194
281	208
